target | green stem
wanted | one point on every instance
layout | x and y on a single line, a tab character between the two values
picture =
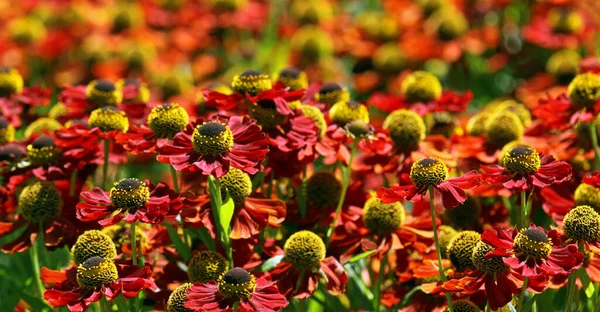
437	246
133	243
35	261
73	181
216	204
345	184
105	306
121	304
571	290
182	248
594	137
523	209
105	168
174	176
522	297
377	292
235	306
303	194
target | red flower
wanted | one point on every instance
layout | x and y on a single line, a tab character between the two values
215	145
449	101
66	291
524	169
139	140
533	251
560	114
258	295
377	156
430	172
133	200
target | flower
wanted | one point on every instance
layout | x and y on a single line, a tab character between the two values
206	266
582	224
178	297
406	128
426	173
331	93
129	200
79	287
584	90
304	263
11	82
292	78
103	93
236	285
7	131
523	168
109	119
460	249
251	82
503	127
421	86
344	112
93	243
533	251
213	146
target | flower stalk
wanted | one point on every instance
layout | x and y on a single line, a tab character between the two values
437	246
105	167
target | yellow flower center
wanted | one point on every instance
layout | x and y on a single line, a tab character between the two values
176	302
421	86
407	129
252	82
344	112
428	172
43	151
103	93
95	272
120	234
304	250
331	93
7	131
460	249
563	65
582	223
109	118
584	90
521	160
565	21
323	189
93	243
586	194
463	305
167	119
491	265
266	114
237	284
446	234
476	124
383	218
293	78
11	82
206	266
129	194
317	116
42	125
40	201
503	127
212	138
238	184
533	243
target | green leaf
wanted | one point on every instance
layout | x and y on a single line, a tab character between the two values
362	256
182	248
36	303
226	213
409	295
257	180
588	287
270	263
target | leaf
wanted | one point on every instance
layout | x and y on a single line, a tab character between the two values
409	295
362	256
586	283
271	263
226	213
182	248
527	306
302	198
36	303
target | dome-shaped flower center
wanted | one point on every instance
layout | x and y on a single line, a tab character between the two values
445	236
120	234
428	172
93	243
521	160
40	201
304	250
563	65
95	272
476	124
178	297
252	82
167	119
582	223
460	249
518	109
42	125
407	129
586	194
389	59
359	129
43	151
212	138
584	90
206	266
237	284
565	21
463	306
10	152
344	112
103	93
331	93
491	265
11	82
383	218
452	24
7	131
503	127
421	86
109	118
293	78
533	243
266	114
317	116
129	194
323	189
238	184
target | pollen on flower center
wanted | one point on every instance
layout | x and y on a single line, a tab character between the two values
103	93
421	86
266	114
96	271
7	131
238	184
42	125
206	266
344	112
129	194
109	118
463	305
383	218
293	78
11	82
564	20
40	201
428	172
521	160
177	299
237	284
491	265
460	249
584	90
43	151
582	223
167	119
331	93
503	127
10	152
586	194
252	82
533	243
93	243
407	129
304	250
212	138
446	234
323	189
317	116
